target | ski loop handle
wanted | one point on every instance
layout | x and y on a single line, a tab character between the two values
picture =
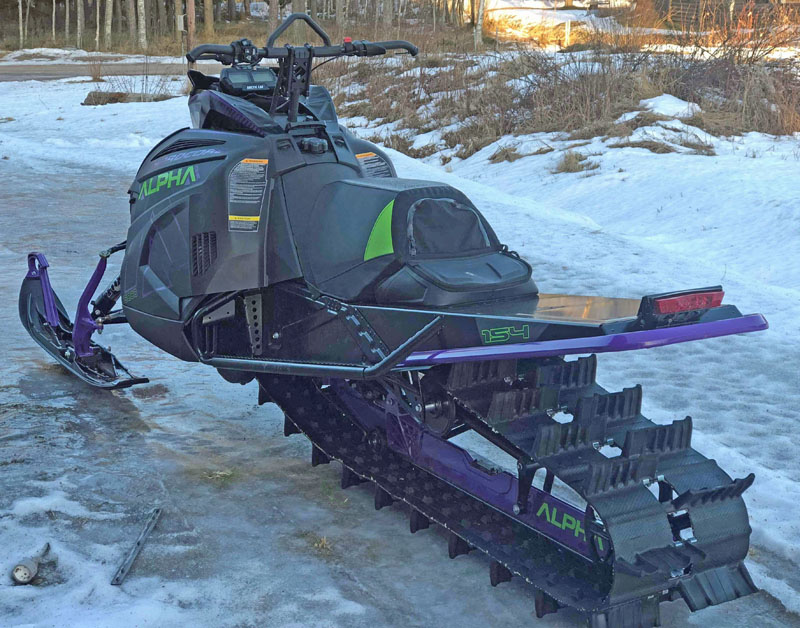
37	267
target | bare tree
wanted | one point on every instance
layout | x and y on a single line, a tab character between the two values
298	6
131	11
177	8
231	10
246	8
312	9
161	17
80	23
275	13
21	28
27	17
387	9
142	24
340	12
208	18
190	19
107	26
54	20
478	29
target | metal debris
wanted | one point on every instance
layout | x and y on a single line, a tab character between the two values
25	571
126	565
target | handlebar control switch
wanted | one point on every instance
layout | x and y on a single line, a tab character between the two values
313	145
245	52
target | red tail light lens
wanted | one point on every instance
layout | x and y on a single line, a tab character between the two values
688	302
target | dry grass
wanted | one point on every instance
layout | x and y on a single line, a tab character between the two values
531	91
654	146
95	70
696	145
572	161
506	153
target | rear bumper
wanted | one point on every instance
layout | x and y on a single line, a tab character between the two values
626	341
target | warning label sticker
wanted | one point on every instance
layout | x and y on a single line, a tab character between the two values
247	183
373	165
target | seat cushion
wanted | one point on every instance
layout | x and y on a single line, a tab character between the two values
441	282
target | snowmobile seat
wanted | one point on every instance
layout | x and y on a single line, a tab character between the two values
403	241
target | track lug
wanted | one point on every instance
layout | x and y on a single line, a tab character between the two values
318	456
418	521
289	428
544	604
349	478
382	498
498	573
457	546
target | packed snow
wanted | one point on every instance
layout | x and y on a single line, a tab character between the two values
240	540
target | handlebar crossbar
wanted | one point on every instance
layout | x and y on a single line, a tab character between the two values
231	53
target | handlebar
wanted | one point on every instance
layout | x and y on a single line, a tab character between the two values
213	50
399	44
243	51
226	53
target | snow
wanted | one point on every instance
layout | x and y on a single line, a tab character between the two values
81	468
670	106
50	56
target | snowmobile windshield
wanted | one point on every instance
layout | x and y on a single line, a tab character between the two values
443	227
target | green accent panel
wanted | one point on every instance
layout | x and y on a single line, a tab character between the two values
380	238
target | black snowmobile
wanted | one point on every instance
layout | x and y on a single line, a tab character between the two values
385	317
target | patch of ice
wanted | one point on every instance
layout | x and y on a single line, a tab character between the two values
56	501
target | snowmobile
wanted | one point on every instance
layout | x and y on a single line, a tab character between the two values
385	318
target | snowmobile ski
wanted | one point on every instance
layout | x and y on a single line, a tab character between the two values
48	323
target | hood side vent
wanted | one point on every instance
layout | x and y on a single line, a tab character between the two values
204	252
186	145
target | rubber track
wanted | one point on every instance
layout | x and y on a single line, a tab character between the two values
567	578
623	592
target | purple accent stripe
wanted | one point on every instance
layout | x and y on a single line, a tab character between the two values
628	341
558	520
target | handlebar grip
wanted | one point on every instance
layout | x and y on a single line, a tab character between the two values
398	45
214	49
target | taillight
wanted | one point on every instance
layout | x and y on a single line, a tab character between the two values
688	302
